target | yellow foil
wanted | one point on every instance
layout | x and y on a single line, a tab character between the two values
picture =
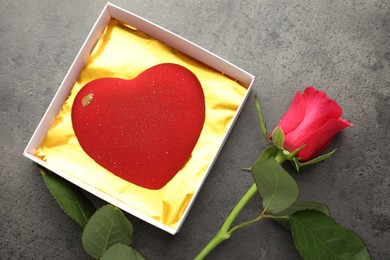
125	52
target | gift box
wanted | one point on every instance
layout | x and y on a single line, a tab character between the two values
123	45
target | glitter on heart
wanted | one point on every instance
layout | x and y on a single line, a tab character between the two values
142	130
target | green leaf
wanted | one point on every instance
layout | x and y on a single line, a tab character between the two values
122	252
299	206
108	226
262	123
70	198
318	236
277	188
305	205
315	160
278	138
269	152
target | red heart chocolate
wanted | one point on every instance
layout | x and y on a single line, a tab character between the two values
142	130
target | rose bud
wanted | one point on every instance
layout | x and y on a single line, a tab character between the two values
313	119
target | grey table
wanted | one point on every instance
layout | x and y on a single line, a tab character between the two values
341	47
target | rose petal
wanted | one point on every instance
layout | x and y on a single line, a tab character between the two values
319	110
318	140
294	114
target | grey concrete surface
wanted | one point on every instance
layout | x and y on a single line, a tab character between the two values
341	47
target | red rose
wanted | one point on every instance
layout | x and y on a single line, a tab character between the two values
312	119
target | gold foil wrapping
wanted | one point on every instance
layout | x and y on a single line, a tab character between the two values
125	52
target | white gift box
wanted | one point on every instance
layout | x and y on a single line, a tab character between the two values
109	12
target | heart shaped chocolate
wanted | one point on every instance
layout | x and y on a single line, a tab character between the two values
142	130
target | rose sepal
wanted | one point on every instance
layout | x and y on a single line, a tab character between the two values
304	165
291	155
261	119
278	138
